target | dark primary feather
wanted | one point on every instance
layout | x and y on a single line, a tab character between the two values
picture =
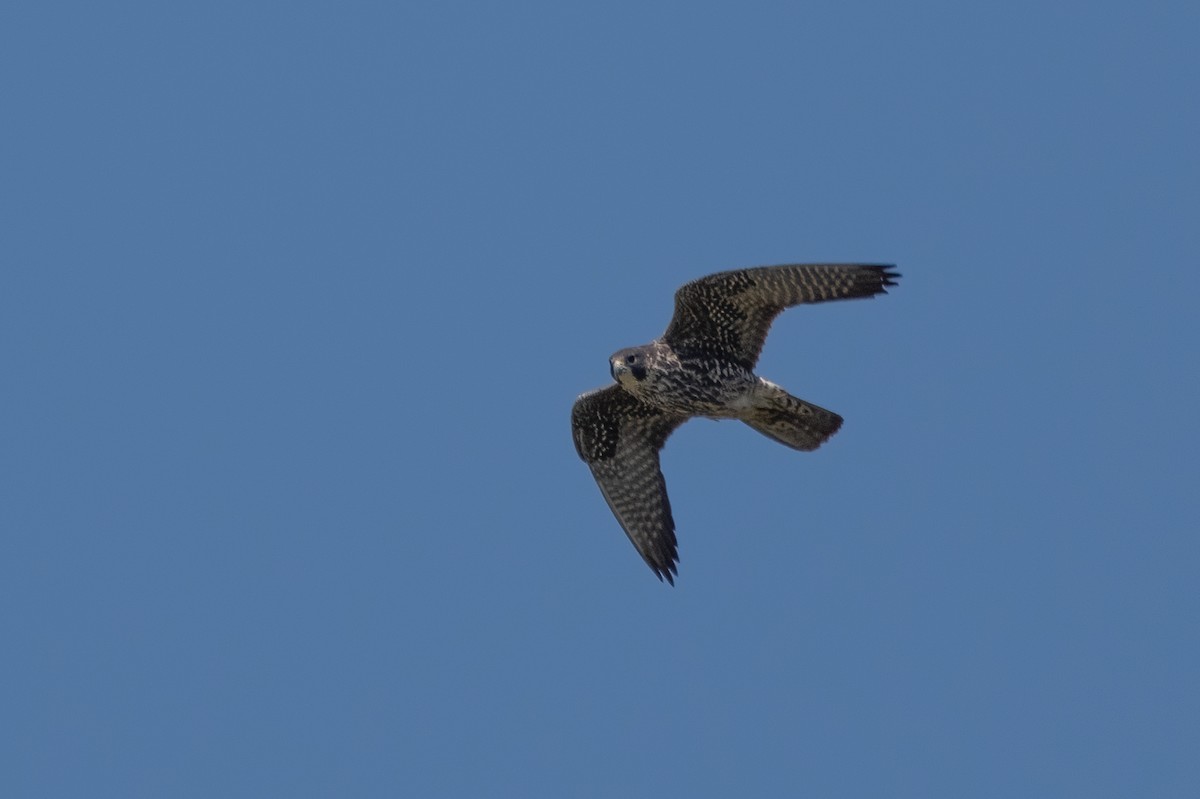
619	438
728	314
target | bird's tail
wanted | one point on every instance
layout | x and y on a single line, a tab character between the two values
790	420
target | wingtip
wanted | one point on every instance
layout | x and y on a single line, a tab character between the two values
668	573
888	273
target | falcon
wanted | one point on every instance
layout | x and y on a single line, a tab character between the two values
703	365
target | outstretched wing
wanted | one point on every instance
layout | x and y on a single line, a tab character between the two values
619	437
728	314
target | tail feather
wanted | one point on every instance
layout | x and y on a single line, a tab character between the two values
790	420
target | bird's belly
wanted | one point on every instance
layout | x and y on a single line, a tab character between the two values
715	399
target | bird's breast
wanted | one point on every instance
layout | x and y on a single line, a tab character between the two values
698	388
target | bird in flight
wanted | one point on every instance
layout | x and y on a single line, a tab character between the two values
703	365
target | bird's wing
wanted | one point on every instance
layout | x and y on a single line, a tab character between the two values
728	314
619	437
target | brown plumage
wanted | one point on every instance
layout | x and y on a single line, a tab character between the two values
703	366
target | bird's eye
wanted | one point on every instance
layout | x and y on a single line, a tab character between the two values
630	359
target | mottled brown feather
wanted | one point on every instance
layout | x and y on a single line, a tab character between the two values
619	438
728	314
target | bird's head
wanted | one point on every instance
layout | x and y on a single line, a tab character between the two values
628	367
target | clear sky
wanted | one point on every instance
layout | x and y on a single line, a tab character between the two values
295	300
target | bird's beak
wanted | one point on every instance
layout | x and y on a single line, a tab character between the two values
617	369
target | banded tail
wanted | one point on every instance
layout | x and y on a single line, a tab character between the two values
790	420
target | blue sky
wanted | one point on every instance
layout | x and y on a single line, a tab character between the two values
296	300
